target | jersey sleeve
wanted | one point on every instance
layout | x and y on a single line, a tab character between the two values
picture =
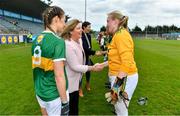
59	51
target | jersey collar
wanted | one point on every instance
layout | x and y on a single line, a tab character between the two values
51	33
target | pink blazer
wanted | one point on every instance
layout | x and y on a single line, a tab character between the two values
75	60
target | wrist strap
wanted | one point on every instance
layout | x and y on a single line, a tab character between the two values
64	102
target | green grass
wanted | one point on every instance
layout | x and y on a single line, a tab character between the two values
16	82
158	63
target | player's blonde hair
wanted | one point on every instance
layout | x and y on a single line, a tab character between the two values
122	18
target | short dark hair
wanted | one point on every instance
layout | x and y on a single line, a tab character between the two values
85	24
103	29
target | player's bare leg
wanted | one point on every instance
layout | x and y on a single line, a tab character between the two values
44	112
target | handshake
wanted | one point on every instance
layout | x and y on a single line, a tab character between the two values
97	67
99	53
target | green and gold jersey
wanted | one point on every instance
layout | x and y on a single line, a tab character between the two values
47	48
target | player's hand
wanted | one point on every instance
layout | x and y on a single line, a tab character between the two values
98	53
97	67
65	109
121	75
104	52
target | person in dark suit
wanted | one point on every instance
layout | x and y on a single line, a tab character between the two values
87	46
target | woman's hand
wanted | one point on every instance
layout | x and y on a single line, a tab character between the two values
99	53
97	67
122	74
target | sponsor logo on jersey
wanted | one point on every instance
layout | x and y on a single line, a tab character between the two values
40	38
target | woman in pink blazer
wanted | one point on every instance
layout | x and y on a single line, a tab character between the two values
75	60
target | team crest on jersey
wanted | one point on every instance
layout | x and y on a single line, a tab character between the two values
40	38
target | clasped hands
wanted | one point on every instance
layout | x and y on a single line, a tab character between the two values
97	67
99	53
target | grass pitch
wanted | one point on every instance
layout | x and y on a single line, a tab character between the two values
158	62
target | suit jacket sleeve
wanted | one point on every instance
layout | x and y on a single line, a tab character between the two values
88	51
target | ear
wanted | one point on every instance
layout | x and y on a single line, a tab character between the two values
56	19
70	32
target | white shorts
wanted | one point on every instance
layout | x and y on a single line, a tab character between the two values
52	107
131	84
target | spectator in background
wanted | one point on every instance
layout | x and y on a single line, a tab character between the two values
101	36
87	46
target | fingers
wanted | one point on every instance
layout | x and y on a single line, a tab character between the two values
99	53
121	75
98	67
104	52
